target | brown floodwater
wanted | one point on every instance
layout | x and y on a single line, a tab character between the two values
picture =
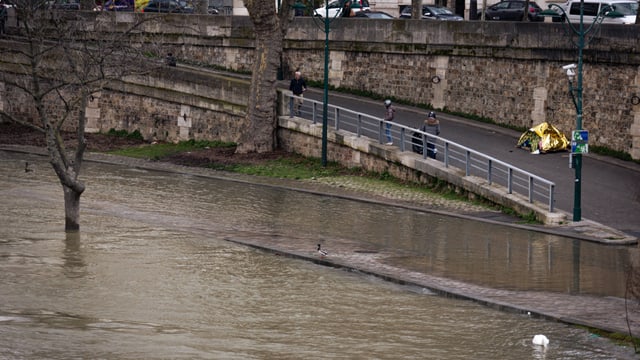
150	276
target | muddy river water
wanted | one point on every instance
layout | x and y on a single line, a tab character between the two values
150	276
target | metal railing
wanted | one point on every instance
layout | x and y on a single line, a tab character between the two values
472	162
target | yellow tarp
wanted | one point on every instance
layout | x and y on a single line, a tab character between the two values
140	4
543	138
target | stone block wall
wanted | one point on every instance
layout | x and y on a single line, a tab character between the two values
175	105
508	72
172	105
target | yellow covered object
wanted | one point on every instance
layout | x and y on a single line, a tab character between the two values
543	138
140	4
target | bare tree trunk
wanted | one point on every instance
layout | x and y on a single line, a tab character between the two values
67	172
71	209
260	136
416	9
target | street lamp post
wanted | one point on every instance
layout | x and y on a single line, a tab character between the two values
325	96
576	92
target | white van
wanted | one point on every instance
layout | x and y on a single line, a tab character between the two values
628	8
335	7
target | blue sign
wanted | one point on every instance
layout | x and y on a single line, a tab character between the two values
579	141
580	135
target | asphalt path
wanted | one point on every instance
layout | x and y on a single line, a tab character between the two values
610	188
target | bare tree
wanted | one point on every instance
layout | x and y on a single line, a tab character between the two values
56	66
270	27
416	9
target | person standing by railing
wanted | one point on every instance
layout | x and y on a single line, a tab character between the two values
431	126
389	116
297	87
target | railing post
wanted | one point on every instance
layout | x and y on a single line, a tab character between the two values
551	197
531	189
446	154
424	145
467	166
490	164
337	124
290	106
335	113
402	145
381	131
359	125
314	112
510	180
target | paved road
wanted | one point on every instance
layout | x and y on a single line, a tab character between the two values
610	187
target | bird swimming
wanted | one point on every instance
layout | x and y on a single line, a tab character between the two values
540	340
322	252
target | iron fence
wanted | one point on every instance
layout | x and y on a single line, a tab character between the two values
472	162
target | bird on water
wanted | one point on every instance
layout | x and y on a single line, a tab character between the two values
321	252
540	340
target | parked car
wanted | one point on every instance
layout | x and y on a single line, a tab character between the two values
430	12
591	8
168	6
65	5
373	15
512	10
119	5
335	8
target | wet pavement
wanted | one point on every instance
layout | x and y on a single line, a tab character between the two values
606	313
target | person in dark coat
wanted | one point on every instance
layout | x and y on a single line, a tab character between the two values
297	86
432	127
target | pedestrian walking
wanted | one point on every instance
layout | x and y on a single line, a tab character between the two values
298	86
432	127
389	115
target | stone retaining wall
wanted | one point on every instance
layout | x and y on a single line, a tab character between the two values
508	72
